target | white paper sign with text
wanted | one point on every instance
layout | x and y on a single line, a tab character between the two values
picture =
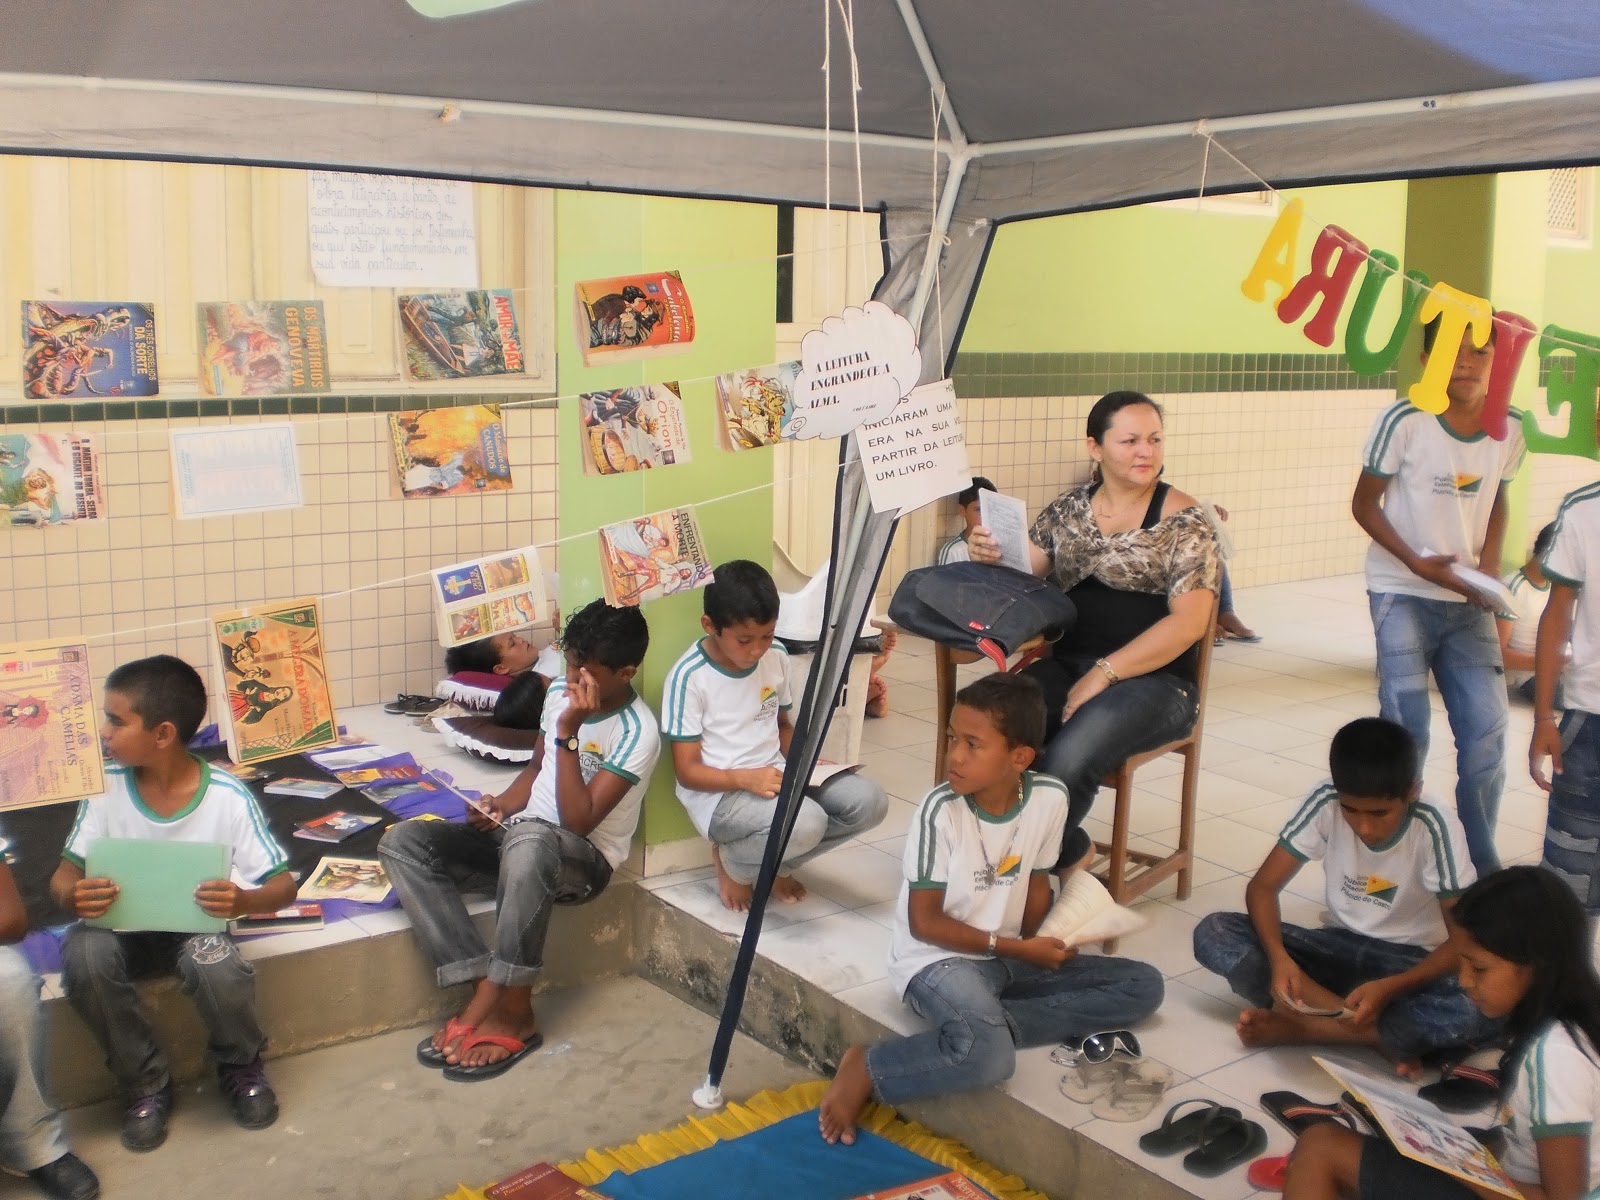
854	369
388	231
918	453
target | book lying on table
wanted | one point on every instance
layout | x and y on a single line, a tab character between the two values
540	1182
360	879
950	1186
1085	913
361	776
296	916
306	789
1420	1130
334	827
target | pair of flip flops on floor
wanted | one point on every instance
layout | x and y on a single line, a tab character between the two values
1216	1139
516	1050
1120	1089
408	705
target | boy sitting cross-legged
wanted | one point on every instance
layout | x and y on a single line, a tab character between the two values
569	818
1384	966
158	790
965	954
725	711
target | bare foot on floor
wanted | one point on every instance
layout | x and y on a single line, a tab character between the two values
1259	1027
735	895
484	1054
847	1095
1314	995
789	889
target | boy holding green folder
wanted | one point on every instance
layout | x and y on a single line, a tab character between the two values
158	790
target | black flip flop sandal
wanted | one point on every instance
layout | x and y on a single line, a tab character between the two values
1463	1088
1228	1142
1177	1133
1297	1114
516	1049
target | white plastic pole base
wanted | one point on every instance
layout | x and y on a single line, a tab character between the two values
708	1096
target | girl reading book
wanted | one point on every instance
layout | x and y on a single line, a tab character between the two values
1526	957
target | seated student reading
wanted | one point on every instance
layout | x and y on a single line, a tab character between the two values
725	712
965	953
1523	950
1381	974
33	1137
156	789
553	837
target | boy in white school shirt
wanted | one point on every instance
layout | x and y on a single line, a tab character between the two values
1571	741
1432	494
158	790
725	713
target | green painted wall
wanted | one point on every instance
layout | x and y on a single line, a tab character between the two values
725	254
1572	281
1156	277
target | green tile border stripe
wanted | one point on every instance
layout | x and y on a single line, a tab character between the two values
1093	374
184	408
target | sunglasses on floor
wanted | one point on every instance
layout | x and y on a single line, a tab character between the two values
1096	1048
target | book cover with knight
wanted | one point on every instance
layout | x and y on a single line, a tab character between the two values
460	334
263	348
755	405
274	685
49	742
78	348
633	429
647	558
459	451
633	316
46	479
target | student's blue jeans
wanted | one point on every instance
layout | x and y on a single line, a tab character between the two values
1458	643
1572	828
1437	1017
31	1132
983	1009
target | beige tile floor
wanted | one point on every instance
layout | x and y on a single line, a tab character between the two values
1271	711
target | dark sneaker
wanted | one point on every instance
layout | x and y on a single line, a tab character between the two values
68	1178
144	1125
254	1104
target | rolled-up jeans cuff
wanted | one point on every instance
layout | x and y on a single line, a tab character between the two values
511	974
467	970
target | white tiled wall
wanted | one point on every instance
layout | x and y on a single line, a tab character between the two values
140	582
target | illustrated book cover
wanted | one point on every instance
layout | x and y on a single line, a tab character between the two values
755	405
633	316
362	880
460	334
263	348
647	558
459	451
46	479
49	738
486	596
632	429
276	697
80	349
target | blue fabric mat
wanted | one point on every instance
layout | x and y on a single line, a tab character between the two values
788	1159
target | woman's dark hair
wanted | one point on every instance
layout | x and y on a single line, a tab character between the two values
1529	916
1109	405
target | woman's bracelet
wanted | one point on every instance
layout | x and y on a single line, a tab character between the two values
1107	668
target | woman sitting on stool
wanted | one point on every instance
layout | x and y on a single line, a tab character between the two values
1141	564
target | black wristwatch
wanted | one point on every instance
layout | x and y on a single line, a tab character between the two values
568	743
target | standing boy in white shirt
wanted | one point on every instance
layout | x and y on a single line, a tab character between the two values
725	712
1432	494
1519	631
158	790
1571	741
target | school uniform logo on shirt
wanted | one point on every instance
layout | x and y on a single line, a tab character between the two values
1457	485
769	702
590	756
1374	889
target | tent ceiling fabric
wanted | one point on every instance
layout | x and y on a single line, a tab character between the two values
725	97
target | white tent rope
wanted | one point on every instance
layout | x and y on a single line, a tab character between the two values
112	634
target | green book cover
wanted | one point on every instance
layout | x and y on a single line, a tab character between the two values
157	881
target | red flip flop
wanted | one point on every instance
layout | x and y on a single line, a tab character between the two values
516	1050
1266	1174
430	1056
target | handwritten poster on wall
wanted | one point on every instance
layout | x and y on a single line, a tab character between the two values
391	231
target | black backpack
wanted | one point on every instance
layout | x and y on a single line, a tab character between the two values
976	606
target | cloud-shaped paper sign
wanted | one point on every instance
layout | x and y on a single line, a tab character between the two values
853	371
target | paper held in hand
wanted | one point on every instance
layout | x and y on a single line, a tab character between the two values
1006	519
1419	1130
1085	913
1487	586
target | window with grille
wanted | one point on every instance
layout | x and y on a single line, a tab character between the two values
1567	216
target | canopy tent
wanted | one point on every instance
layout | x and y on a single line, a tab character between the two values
969	114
